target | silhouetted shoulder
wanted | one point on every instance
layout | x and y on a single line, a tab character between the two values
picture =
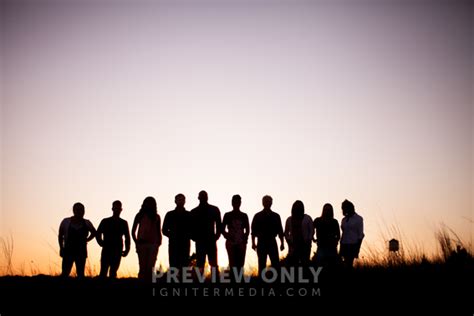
215	209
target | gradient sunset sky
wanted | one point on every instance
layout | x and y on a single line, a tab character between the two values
313	100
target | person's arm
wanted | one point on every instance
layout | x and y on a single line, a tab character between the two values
92	231
254	233
280	234
134	229
158	223
225	226
361	236
98	236
282	243
193	230
315	236
310	230
338	232
61	235
287	232
218	224
166	226
246	227
127	240
361	229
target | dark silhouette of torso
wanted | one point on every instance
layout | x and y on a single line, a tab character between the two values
177	227
327	232
206	221
266	225
113	230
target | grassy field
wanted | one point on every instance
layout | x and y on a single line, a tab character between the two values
394	282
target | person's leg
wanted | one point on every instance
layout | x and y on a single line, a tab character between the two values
104	263
173	255
240	255
200	255
306	253
348	252
273	253
212	257
333	257
115	259
262	258
349	262
230	253
80	266
152	255
239	260
180	253
299	253
351	256
184	249
212	254
66	265
292	254
141	252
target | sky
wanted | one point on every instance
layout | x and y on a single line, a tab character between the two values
312	100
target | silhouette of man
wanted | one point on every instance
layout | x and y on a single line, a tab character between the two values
352	226
177	227
206	221
235	228
110	236
266	225
74	234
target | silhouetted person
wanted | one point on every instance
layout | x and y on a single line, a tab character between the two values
177	227
235	228
299	233
148	238
352	226
327	236
74	234
266	225
206	221
110	235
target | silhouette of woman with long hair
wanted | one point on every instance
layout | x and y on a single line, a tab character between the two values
327	236
299	233
352	226
74	234
148	239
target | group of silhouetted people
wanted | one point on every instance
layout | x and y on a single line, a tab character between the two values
203	225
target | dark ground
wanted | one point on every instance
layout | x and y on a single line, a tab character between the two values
438	288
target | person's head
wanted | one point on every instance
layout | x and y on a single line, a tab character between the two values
180	200
267	202
149	207
78	210
236	201
117	208
328	211
348	208
202	197
297	210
